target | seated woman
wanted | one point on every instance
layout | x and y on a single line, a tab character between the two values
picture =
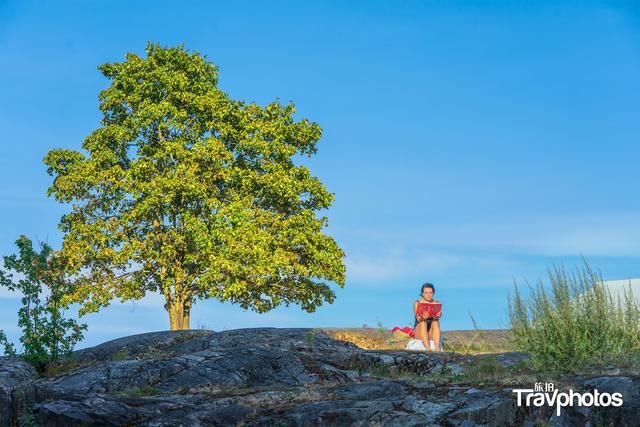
427	328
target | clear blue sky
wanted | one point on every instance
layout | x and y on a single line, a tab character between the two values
468	143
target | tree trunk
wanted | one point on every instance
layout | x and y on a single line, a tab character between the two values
179	315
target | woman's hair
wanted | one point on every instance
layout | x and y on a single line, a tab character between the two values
427	285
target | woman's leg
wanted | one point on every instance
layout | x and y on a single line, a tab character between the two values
422	334
434	334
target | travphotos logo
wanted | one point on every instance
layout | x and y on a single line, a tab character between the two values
547	394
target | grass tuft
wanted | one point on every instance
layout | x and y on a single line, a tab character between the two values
574	322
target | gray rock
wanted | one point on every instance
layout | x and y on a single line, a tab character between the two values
494	409
455	368
623	385
626	415
268	377
13	374
369	391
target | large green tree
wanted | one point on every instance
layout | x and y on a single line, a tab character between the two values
187	192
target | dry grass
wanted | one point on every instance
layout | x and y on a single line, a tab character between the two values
478	341
466	342
370	338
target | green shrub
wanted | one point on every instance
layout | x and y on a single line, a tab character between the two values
46	335
575	322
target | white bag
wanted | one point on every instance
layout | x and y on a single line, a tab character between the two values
414	344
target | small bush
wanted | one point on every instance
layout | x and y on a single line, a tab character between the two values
46	335
575	322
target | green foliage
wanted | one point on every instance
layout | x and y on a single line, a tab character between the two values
144	391
438	376
310	336
398	337
23	411
575	323
46	335
9	348
483	370
187	192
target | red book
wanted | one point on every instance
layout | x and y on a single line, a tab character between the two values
431	309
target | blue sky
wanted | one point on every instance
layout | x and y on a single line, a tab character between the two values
467	143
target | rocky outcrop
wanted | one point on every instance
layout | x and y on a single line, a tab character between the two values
14	373
267	376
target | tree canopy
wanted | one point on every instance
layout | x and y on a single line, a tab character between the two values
187	192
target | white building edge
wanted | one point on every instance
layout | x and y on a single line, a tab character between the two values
617	288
